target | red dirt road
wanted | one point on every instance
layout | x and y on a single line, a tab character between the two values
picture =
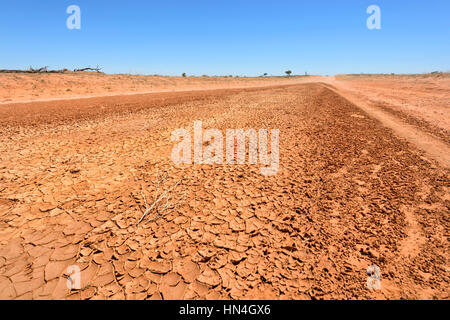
349	194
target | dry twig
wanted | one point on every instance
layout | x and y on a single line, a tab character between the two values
165	199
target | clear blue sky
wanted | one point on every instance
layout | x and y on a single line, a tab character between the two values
221	37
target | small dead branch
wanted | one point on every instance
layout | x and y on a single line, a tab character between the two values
40	70
165	199
98	69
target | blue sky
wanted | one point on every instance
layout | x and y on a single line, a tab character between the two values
222	37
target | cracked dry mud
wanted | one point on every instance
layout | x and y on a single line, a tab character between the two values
349	194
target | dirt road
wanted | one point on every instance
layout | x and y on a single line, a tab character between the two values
349	194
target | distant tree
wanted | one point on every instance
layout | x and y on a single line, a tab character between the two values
184	75
288	73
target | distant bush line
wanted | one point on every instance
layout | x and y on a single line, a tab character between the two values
45	70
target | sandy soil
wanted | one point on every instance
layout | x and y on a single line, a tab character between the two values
349	194
420	133
420	100
38	87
